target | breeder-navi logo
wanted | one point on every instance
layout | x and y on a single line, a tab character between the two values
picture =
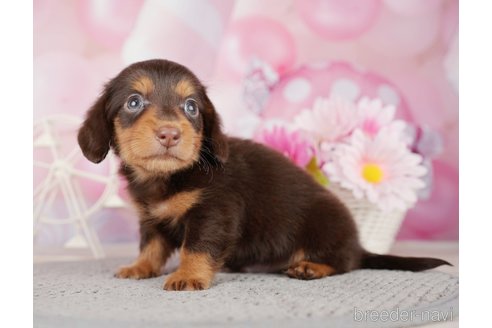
398	315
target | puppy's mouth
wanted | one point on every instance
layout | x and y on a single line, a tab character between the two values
164	154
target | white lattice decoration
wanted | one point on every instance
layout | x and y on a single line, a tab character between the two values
60	172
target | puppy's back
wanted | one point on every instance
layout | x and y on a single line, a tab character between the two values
285	209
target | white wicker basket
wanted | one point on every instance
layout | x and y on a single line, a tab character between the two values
377	229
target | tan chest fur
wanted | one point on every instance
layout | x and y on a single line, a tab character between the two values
175	206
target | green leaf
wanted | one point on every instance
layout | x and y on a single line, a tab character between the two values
318	175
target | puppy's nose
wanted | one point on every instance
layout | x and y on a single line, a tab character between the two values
168	136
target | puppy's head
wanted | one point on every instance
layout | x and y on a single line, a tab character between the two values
157	117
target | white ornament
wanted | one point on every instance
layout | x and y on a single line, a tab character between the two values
57	153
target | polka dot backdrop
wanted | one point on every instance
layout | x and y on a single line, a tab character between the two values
298	89
405	52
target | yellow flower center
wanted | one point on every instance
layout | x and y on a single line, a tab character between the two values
372	173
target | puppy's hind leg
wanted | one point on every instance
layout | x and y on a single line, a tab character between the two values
307	270
328	242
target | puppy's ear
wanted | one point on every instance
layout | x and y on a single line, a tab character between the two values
96	132
215	139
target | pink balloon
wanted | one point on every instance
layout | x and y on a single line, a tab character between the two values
106	66
109	21
430	97
413	7
56	28
66	83
298	89
63	83
188	32
338	20
450	18
261	38
42	12
432	101
223	7
400	36
146	43
436	217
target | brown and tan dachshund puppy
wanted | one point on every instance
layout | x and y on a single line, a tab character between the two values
223	202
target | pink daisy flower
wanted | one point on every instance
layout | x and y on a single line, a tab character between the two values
330	120
292	145
374	115
381	169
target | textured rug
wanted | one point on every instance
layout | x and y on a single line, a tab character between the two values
85	294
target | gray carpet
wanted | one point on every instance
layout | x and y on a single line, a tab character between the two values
85	294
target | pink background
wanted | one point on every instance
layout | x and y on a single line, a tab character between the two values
404	51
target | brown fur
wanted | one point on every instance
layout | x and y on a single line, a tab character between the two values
225	202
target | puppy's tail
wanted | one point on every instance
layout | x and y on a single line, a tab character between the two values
391	262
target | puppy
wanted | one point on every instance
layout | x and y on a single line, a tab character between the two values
223	202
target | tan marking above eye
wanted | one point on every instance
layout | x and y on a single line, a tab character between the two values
184	88
144	85
176	206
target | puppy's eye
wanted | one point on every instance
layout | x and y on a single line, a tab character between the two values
191	107
135	103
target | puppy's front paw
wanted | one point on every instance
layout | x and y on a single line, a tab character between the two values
182	281
136	271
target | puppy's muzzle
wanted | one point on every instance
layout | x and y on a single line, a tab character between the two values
168	136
